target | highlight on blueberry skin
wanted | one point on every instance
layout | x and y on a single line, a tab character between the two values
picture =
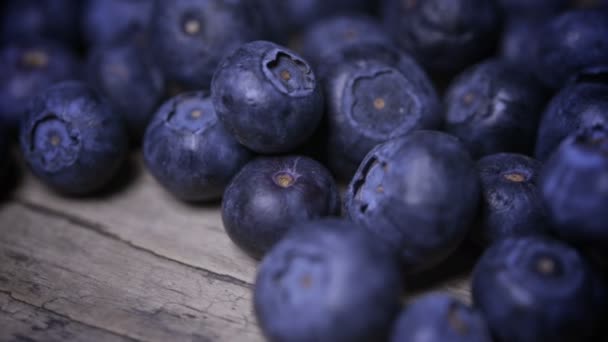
372	99
512	203
190	37
439	317
27	68
574	185
572	44
576	106
72	140
445	36
494	107
419	193
538	289
270	194
305	287
188	150
268	97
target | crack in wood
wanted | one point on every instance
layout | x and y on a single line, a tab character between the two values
101	230
65	317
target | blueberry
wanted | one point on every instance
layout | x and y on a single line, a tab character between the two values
574	186
419	193
571	44
537	289
327	280
494	107
270	194
107	21
576	106
71	139
267	97
371	100
326	41
34	19
189	152
27	68
518	42
191	36
130	80
511	203
438	317
444	35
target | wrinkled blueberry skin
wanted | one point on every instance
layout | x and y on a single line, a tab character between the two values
28	68
71	139
270	194
571	44
574	188
267	97
328	38
188	150
533	9
125	75
511	204
372	100
438	317
107	21
494	107
420	193
537	289
576	106
518	42
304	287
444	35
34	19
190	37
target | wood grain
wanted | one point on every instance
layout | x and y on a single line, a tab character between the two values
50	263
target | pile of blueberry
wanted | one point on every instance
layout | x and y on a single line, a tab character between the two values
483	121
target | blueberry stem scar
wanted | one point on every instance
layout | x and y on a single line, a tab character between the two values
515	177
284	179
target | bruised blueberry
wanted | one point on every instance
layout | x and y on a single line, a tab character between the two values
419	193
71	139
28	68
574	185
267	97
538	289
188	150
512	203
372	100
270	194
327	280
494	107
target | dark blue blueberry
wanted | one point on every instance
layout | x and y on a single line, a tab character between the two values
371	100
574	186
576	106
438	317
571	44
129	79
537	289
189	152
419	193
494	107
328	281
444	35
267	97
270	194
533	9
512	203
518	42
35	19
28	68
71	139
107	21
326	41
191	36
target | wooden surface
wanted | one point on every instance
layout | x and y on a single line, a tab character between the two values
129	265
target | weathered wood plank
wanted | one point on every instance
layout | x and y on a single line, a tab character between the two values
21	322
74	271
146	216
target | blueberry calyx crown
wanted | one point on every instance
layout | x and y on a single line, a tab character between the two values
54	143
284	179
515	176
34	59
288	73
547	265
